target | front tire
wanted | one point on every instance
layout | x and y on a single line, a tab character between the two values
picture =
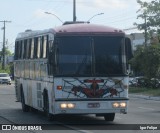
109	117
25	108
46	107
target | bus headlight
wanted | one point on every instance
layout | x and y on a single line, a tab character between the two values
71	105
63	105
119	105
67	105
123	105
115	105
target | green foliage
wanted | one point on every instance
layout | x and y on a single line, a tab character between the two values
7	52
147	61
150	13
151	10
9	67
6	70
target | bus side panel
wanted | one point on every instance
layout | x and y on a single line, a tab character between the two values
27	91
51	96
17	89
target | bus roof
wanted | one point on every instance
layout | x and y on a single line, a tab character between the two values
78	28
87	28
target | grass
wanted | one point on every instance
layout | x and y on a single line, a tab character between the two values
145	91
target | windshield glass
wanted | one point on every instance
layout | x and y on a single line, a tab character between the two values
89	56
74	56
108	59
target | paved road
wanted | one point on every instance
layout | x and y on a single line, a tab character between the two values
141	111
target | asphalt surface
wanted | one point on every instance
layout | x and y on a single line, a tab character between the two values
157	98
143	111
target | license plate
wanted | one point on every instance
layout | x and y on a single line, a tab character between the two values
93	105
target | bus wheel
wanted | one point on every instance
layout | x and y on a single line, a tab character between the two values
109	117
46	108
25	108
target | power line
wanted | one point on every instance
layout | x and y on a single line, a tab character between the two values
131	28
117	17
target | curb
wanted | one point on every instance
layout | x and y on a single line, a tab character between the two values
145	97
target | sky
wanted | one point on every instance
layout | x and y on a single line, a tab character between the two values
29	14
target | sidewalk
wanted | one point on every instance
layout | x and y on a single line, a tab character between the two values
145	97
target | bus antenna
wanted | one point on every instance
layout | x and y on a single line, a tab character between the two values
74	10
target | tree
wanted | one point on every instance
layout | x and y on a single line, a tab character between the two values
150	13
8	68
7	52
147	61
136	62
152	61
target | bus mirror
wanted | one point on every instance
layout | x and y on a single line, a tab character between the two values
128	48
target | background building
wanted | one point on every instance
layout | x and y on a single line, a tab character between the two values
136	39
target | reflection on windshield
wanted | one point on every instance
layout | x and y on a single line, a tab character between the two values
108	58
89	56
74	56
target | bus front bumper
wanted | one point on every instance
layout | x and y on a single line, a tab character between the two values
91	107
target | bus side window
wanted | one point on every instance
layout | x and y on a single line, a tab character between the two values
38	47
22	49
50	65
44	47
47	46
16	50
29	48
35	47
32	49
25	49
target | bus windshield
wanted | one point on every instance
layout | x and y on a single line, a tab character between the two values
89	56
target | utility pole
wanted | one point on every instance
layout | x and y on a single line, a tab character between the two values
3	49
74	10
145	30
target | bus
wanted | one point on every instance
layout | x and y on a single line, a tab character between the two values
76	68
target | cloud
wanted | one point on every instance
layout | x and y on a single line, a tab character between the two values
111	4
107	4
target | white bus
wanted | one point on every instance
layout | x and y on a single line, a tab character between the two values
77	68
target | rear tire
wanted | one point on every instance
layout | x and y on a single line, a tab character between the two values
25	108
109	117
